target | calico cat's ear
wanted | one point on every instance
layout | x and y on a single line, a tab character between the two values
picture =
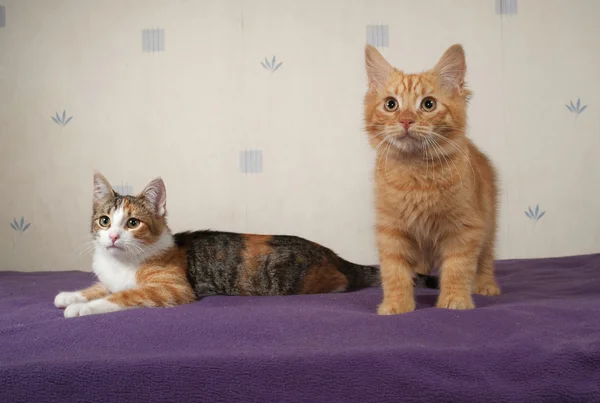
378	69
102	189
451	68
156	194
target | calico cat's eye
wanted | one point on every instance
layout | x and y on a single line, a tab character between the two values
133	223
428	104
104	221
390	104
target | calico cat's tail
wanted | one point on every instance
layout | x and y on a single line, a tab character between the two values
360	276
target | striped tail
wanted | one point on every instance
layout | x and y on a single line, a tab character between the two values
360	276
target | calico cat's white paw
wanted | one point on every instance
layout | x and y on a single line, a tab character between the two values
91	308
74	310
64	299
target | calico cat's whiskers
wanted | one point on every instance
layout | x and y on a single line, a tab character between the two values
137	253
148	252
83	250
133	251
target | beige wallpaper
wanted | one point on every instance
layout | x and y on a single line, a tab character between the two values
251	111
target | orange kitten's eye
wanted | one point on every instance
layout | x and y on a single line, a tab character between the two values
133	223
104	221
428	104
391	104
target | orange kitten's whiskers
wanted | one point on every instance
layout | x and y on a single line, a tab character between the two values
458	148
386	138
426	156
386	158
446	159
387	142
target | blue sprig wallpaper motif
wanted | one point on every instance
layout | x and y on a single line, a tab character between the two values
576	108
535	215
62	120
272	66
19	226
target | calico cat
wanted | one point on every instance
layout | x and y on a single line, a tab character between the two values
140	263
436	192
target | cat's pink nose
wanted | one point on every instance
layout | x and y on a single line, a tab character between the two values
113	237
406	123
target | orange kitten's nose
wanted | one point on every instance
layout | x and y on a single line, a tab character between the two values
406	123
113	237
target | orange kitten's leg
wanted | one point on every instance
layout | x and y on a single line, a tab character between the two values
64	299
460	254
397	254
426	260
485	282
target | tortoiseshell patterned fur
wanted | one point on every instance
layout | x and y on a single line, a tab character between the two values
140	263
242	264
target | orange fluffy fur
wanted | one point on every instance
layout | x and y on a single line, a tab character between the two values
436	192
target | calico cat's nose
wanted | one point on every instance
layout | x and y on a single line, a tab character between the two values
113	237
406	123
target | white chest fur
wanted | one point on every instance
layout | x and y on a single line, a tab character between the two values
114	273
117	272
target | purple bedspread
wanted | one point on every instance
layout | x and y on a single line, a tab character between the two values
538	342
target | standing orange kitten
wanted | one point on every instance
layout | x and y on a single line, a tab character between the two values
435	191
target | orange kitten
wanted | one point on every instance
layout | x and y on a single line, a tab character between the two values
435	190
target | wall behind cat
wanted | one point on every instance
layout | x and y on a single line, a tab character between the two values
252	114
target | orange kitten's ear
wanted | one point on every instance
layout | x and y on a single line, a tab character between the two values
378	69
452	68
102	189
156	194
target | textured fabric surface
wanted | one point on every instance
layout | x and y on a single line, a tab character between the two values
538	342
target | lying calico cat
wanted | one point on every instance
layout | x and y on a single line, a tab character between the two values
140	263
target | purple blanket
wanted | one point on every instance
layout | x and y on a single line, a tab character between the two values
539	342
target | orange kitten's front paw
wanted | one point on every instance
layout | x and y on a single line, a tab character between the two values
488	287
395	307
455	301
